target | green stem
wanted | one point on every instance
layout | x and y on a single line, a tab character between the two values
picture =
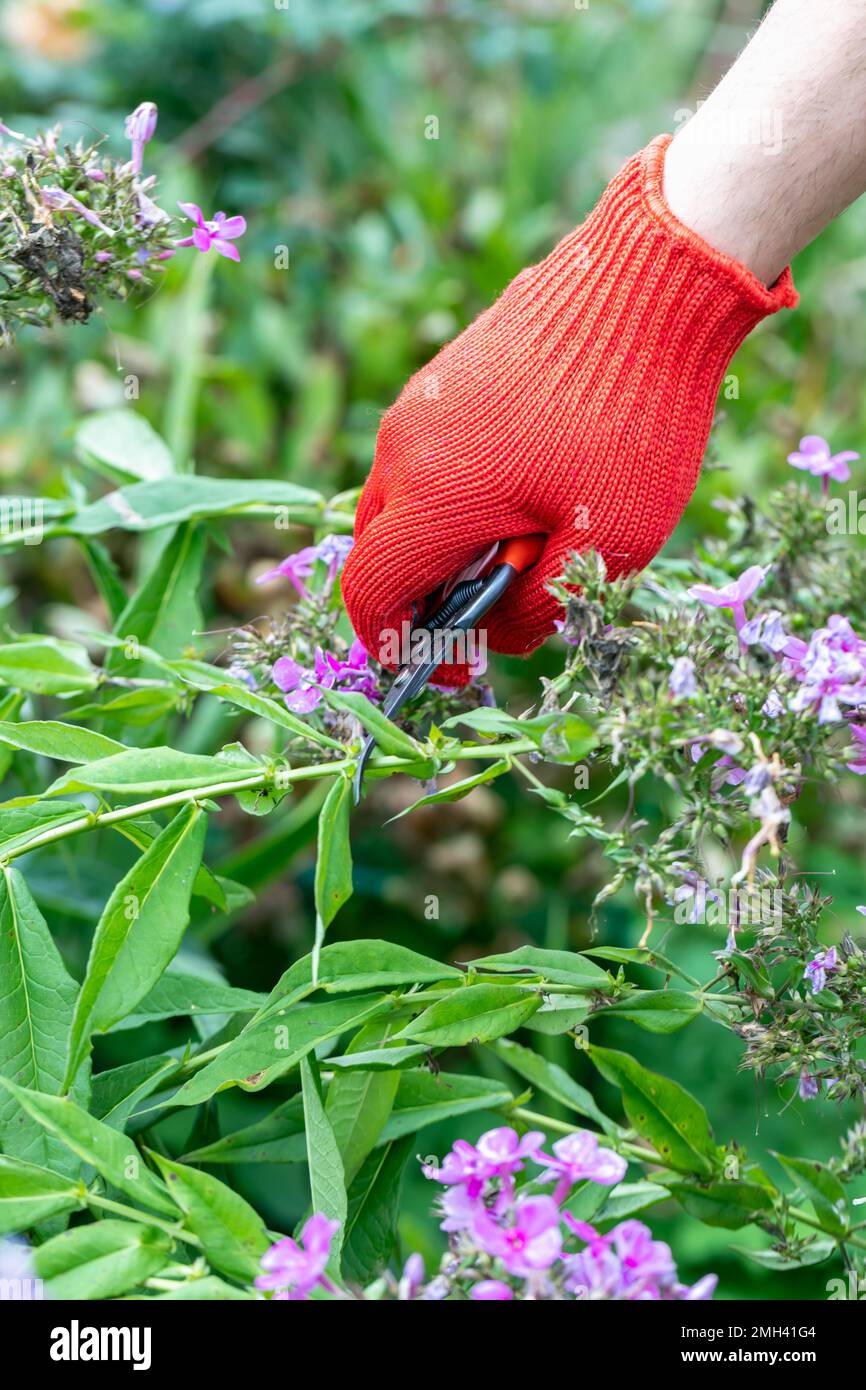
144	1218
93	819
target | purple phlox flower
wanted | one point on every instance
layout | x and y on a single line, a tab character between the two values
240	673
499	1153
562	628
773	706
725	771
756	779
216	234
578	1157
819	967
490	1290
149	212
627	1264
459	1205
103	257
411	1279
298	567
831	671
681	683
808	1086
298	1270
533	1240
814	456
58	198
140	126
302	687
859	763
734	594
766	630
701	896
861	910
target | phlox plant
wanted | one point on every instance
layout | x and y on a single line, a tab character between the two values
78	226
729	681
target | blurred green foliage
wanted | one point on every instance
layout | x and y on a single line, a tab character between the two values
370	243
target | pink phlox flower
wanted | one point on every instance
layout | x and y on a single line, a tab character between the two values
297	1269
298	567
499	1153
814	456
578	1157
216	234
302	688
734	594
819	967
831	671
531	1242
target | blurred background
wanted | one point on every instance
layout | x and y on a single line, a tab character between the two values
398	161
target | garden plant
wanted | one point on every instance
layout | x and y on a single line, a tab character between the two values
449	1122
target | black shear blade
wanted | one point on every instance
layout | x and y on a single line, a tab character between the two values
411	680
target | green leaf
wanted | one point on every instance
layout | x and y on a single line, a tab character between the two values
726	1203
657	1010
373	1209
209	1289
106	1150
823	1190
178	996
30	1194
559	967
814	1254
147	506
424	1099
164	614
232	1234
52	739
254	703
123	446
37	998
278	1138
359	1102
46	666
274	1045
628	1198
100	1260
389	736
662	1111
20	824
379	1058
347	966
552	1079
333	883
559	735
455	791
152	770
139	931
327	1178
118	1091
477	1013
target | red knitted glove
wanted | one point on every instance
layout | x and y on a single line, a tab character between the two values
578	405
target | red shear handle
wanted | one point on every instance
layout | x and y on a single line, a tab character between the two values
521	552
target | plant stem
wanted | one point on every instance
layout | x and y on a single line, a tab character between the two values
142	1217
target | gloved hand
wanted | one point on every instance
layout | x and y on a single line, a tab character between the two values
577	405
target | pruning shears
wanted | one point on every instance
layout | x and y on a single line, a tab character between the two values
459	609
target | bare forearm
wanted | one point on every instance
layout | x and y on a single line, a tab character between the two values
779	148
